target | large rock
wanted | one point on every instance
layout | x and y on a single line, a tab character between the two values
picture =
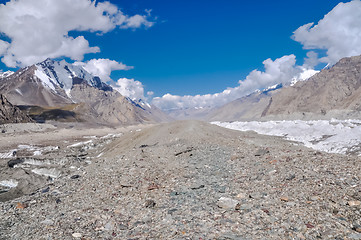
10	113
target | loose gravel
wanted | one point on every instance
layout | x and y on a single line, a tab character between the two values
190	180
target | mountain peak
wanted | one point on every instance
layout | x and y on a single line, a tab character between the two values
73	95
47	61
55	74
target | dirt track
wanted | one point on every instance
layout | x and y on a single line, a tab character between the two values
185	180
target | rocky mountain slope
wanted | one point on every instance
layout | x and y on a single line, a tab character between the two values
183	180
333	92
10	113
70	93
25	88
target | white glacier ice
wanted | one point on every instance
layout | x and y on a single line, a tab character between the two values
44	79
9	183
334	136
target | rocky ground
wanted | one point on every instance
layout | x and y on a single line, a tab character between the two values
182	180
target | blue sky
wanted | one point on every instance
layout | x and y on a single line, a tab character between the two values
202	46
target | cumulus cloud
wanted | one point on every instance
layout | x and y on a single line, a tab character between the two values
339	32
3	46
137	21
130	88
40	29
282	70
102	67
311	60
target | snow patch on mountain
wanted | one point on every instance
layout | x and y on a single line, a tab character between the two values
140	103
46	81
272	88
303	76
6	74
144	103
19	91
11	183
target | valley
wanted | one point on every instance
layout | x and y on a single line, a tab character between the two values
78	160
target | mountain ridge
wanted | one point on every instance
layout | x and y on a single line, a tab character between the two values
333	92
53	84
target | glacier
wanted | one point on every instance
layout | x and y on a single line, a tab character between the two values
333	136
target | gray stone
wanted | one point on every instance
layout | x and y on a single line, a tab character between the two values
227	203
47	222
77	235
261	152
355	236
149	203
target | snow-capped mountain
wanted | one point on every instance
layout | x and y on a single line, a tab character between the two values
64	75
48	83
72	91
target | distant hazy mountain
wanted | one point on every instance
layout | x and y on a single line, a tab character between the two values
188	113
67	92
250	107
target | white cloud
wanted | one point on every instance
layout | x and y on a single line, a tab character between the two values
137	21
312	60
40	29
130	88
282	70
3	47
279	71
102	67
339	32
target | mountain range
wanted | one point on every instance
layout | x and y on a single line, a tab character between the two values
332	93
60	91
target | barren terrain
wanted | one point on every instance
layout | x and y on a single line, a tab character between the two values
182	180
